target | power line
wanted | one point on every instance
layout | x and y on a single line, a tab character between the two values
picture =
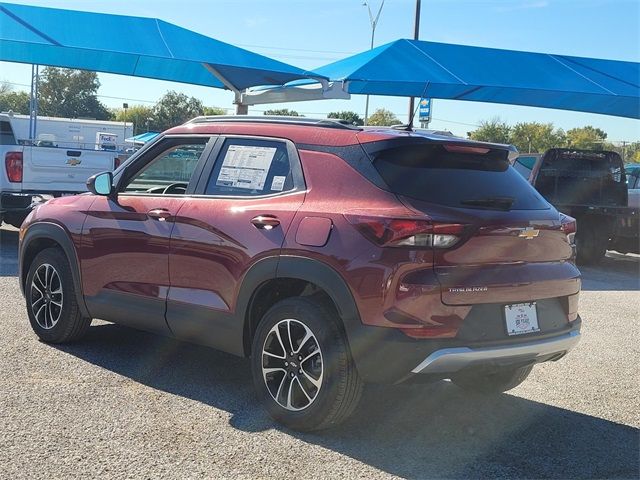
264	47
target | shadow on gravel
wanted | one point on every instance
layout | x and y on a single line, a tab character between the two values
8	252
411	431
615	272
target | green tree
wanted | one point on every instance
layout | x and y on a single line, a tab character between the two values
282	112
140	115
214	111
492	130
383	117
536	137
70	93
351	117
175	109
589	138
17	102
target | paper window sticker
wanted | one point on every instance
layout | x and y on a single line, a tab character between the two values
277	184
246	167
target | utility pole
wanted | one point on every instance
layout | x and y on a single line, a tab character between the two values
374	24
416	34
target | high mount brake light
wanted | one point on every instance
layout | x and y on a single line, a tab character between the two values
407	232
465	149
13	165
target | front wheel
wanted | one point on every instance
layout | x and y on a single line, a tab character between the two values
302	369
51	299
494	382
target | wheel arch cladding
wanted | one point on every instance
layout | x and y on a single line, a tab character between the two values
46	235
305	271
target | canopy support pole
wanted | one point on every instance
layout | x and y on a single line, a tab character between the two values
241	109
33	103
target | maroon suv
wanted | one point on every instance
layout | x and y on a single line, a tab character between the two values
329	254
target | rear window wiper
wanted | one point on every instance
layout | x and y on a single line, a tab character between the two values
498	203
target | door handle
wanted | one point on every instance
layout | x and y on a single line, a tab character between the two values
160	214
265	222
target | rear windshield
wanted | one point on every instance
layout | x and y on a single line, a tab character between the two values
469	179
578	164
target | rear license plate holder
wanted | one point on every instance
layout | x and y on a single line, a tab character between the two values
521	318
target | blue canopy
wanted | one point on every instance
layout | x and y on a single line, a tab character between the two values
142	138
141	47
415	68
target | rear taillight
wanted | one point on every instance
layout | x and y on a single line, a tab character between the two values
568	224
407	232
13	165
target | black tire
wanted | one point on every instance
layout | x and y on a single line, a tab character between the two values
51	323
340	386
591	241
494	382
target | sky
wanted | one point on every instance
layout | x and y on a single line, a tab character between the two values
310	34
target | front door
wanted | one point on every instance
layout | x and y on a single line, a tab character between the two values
125	243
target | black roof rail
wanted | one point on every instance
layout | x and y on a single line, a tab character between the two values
315	122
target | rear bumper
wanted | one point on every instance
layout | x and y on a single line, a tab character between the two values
385	355
15	202
451	360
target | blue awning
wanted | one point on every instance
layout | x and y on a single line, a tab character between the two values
457	72
142	138
136	46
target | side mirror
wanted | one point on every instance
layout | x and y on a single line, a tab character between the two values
101	184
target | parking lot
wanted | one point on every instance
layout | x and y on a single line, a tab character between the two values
127	404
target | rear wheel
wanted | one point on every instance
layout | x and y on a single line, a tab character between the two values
302	369
494	382
592	238
51	299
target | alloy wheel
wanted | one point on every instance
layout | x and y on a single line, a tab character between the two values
46	296
292	365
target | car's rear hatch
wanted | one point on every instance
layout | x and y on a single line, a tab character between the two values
512	246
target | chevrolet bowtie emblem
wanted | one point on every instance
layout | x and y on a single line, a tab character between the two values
529	233
73	161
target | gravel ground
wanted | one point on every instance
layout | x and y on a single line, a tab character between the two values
126	404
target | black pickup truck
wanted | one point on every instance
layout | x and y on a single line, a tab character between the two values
591	187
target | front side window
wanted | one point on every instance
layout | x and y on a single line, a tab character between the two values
170	172
251	167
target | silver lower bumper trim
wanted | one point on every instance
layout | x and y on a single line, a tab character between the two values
449	360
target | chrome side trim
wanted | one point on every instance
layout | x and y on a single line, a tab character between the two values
450	360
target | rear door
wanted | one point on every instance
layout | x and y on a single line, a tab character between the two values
512	246
244	204
53	169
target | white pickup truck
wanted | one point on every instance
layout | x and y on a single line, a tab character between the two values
48	167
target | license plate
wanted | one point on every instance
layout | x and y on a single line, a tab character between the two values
521	318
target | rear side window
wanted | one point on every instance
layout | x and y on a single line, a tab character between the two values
251	167
464	177
6	134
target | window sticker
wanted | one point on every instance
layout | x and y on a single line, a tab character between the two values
278	183
245	167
